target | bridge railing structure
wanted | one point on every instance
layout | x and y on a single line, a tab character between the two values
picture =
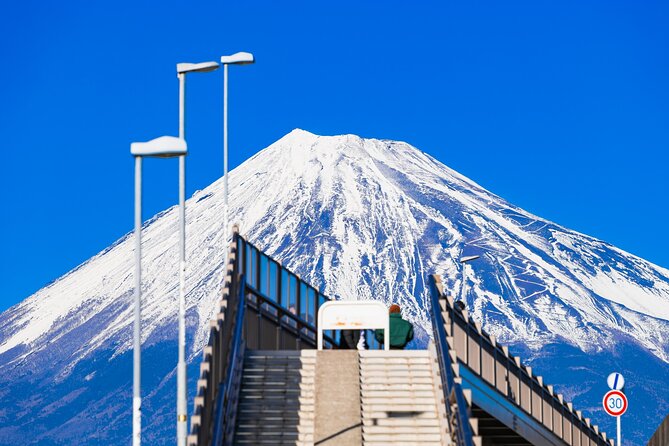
481	372
458	407
263	306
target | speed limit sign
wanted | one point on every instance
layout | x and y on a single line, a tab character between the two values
615	403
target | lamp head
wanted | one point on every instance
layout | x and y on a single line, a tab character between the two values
162	147
468	259
202	67
240	58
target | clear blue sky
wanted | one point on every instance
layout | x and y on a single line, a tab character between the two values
562	108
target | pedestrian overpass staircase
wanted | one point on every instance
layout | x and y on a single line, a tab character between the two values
276	404
262	381
400	404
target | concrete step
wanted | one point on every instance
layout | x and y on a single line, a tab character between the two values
262	437
248	427
398	401
262	370
397	363
277	381
396	380
403	438
274	442
373	442
398	393
259	379
304	396
403	366
396	387
282	353
277	366
394	354
410	368
397	430
396	414
305	404
281	364
414	423
427	373
289	409
394	360
275	416
394	408
277	391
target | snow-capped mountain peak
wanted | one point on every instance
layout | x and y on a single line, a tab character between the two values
360	219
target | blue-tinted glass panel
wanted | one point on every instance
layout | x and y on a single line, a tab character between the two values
311	306
240	255
254	267
249	265
292	300
285	288
273	281
264	274
304	306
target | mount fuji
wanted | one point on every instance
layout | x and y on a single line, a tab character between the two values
360	219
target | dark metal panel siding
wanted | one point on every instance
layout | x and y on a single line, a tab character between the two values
267	334
251	330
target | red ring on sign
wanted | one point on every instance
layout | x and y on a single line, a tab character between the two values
611	393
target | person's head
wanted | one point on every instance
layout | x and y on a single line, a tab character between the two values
394	308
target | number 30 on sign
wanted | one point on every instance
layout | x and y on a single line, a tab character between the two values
615	403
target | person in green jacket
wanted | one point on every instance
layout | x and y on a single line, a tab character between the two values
401	331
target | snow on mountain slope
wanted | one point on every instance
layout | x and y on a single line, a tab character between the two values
361	219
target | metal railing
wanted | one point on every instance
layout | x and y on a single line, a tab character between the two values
226	406
457	409
215	358
281	301
263	306
491	362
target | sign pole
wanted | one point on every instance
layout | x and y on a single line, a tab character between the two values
618	422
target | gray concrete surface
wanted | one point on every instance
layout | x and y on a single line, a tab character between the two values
338	417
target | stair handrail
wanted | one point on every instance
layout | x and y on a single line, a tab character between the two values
451	388
212	420
226	407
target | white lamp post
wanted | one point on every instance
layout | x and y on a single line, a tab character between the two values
182	393
235	59
465	261
163	147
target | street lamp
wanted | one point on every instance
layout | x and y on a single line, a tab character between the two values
241	58
163	147
465	261
182	396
